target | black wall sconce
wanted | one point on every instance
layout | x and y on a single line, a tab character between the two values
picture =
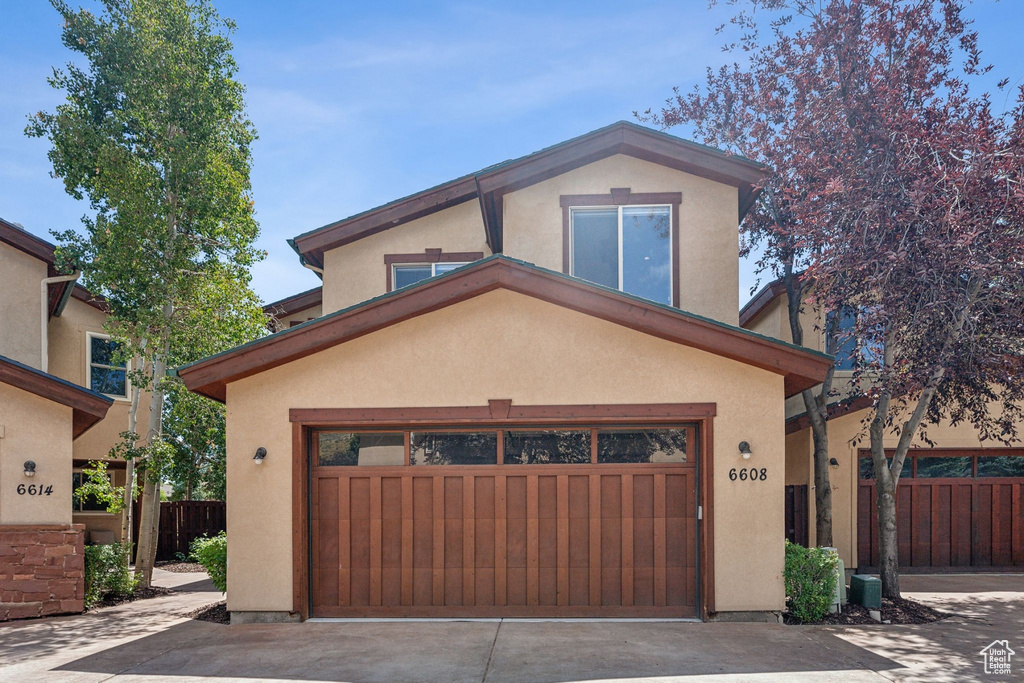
833	463
745	450
261	453
30	468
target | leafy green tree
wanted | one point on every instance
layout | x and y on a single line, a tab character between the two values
153	131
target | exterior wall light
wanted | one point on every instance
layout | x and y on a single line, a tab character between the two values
30	468
833	463
261	453
745	450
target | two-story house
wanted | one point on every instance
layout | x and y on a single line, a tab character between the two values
50	323
521	393
958	501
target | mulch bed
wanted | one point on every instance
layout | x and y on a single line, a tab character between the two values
139	594
216	613
901	611
181	567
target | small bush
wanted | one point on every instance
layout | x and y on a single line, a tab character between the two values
108	572
810	578
212	553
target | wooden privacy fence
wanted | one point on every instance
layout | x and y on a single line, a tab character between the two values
948	523
796	514
183	521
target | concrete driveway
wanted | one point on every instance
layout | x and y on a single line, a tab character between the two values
150	641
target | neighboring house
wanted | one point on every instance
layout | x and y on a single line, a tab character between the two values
524	393
958	500
70	345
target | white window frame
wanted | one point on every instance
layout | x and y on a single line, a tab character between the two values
671	241
89	336
432	265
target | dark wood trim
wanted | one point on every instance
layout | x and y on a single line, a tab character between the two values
623	196
769	293
26	242
490	185
88	407
706	498
504	415
802	368
305	421
300	521
428	256
295	303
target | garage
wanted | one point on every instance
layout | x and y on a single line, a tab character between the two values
957	510
525	520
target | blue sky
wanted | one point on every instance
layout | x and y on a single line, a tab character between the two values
360	103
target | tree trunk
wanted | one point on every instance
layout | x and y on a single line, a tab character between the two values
150	526
888	548
817	412
129	470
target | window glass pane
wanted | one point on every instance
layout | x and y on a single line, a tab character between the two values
407	275
103	351
844	346
595	246
445	267
943	467
108	381
867	469
647	252
652	445
454	448
1001	466
366	448
547	446
87	503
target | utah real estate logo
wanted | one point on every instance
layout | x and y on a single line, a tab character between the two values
997	656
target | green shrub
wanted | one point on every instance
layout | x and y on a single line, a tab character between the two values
108	572
212	553
810	577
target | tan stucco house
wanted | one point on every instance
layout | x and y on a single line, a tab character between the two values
523	392
52	324
958	499
46	422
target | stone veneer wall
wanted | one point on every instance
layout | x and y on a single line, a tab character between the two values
42	570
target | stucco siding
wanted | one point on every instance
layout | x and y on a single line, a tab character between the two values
502	345
20	333
355	272
37	429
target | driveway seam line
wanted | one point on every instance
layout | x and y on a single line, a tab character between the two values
490	654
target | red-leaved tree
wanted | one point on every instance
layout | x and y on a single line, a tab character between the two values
908	205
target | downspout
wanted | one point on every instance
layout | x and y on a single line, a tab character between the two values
44	312
318	271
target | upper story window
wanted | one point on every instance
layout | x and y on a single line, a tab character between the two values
410	274
845	346
629	247
107	373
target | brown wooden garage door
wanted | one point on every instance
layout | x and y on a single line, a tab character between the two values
957	510
549	530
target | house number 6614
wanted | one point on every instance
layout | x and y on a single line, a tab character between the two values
34	490
748	474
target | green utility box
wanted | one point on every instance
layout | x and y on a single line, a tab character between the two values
866	590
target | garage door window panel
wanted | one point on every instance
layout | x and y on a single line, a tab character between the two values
544	447
454	448
656	446
380	449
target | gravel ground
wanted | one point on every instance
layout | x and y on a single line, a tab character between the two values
895	611
181	567
216	613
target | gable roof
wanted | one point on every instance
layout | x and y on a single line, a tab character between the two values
295	303
801	367
489	185
767	294
16	236
88	407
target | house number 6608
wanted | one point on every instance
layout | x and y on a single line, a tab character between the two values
34	490
748	474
